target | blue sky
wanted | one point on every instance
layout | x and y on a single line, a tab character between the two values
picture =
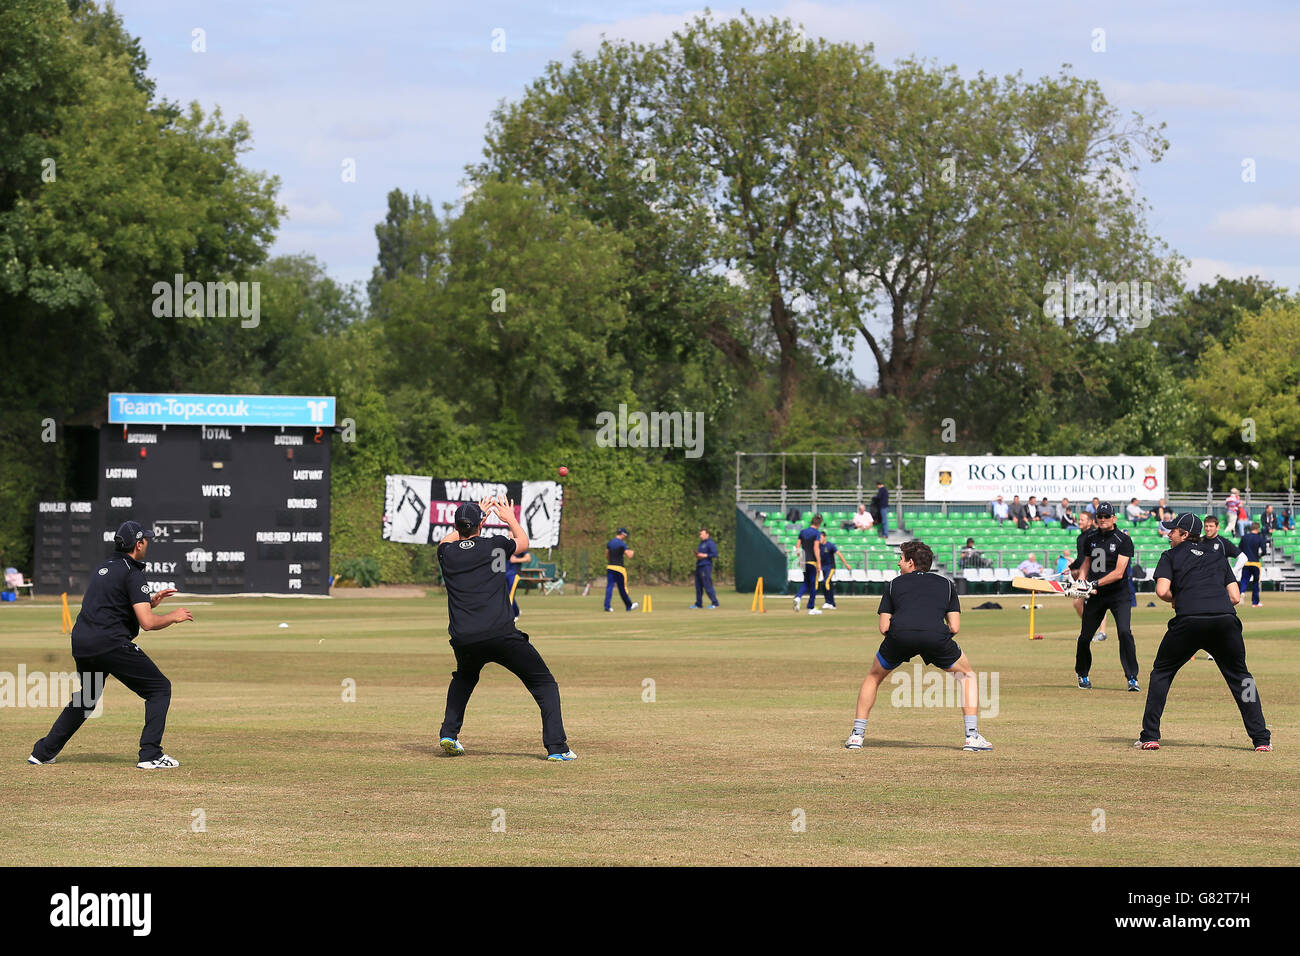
405	88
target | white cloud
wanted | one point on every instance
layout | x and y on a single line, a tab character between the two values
1263	219
1155	94
1201	270
1276	140
1216	32
310	211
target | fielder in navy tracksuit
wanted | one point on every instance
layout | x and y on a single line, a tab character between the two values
512	574
828	554
704	556
1252	546
808	541
615	571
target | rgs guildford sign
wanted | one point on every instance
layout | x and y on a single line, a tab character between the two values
1119	478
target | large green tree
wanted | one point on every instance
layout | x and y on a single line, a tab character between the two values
104	192
1248	389
505	309
1205	315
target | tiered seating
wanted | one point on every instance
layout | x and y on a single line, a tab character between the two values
873	561
1005	546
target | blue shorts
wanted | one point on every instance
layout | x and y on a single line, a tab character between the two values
935	647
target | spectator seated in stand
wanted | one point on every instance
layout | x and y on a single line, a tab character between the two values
15	582
862	521
1030	567
999	510
1135	512
1065	514
970	558
1268	524
1018	513
1031	510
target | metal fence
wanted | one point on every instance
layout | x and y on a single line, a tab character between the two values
912	500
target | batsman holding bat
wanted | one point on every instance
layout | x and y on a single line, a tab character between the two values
481	622
1101	565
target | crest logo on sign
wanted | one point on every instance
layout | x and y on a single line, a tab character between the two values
1149	482
945	477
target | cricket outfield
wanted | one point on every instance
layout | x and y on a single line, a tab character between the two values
704	737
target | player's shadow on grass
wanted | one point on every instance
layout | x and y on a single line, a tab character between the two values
1165	743
93	758
433	750
910	744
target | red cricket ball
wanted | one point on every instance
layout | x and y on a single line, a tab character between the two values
563	471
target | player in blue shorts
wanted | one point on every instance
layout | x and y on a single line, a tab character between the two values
920	614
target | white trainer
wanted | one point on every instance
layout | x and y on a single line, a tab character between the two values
635	605
162	763
976	742
1098	637
854	742
828	607
796	605
32	759
814	610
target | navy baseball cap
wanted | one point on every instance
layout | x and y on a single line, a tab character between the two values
621	531
468	517
1105	510
130	534
1184	522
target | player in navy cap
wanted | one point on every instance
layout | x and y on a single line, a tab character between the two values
116	606
1104	554
482	626
1197	581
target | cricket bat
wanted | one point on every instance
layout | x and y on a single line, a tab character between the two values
1038	584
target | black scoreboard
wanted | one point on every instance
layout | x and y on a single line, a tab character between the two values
234	509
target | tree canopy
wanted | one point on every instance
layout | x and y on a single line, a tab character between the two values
703	224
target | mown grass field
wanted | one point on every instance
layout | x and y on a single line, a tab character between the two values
741	742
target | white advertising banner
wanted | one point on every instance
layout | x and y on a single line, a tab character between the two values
982	478
419	509
406	508
539	509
